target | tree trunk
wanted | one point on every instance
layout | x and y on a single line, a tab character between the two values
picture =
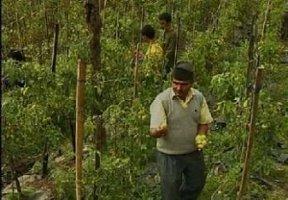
99	138
93	20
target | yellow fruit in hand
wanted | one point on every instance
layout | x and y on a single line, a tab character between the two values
200	141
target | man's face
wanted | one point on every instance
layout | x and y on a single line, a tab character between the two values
181	88
163	24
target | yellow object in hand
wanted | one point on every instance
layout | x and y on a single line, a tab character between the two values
200	141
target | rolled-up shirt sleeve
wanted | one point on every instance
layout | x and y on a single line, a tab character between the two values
158	116
205	115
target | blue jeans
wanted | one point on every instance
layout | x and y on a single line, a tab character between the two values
182	176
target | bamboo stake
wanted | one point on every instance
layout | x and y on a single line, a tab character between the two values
136	66
55	44
253	54
80	93
255	98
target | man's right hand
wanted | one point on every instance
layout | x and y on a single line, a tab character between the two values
160	132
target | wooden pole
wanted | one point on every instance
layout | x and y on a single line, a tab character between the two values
80	93
136	66
55	44
255	98
94	22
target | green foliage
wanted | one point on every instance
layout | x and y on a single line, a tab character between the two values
64	183
28	193
117	174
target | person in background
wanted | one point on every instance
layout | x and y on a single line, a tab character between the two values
154	55
170	42
179	120
154	48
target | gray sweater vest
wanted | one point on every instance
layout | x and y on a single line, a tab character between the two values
182	123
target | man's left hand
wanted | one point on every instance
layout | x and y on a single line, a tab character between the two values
200	141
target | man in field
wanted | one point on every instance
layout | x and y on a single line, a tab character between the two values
179	120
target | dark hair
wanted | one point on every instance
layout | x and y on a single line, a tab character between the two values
16	54
183	71
165	16
148	31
